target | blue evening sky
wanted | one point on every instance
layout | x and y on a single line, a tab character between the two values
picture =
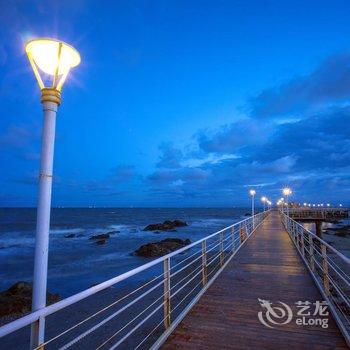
181	103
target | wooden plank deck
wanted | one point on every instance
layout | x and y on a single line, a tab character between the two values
226	317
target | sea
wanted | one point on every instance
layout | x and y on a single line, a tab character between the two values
78	263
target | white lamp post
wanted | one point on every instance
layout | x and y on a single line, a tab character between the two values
252	193
51	61
287	192
264	199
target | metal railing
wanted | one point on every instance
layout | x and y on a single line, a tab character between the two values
137	309
319	213
329	268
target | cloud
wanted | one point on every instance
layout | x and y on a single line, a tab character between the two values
230	138
327	84
208	160
280	165
16	136
170	156
305	153
123	173
22	140
184	175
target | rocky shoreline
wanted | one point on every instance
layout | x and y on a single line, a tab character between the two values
166	246
339	238
17	300
167	225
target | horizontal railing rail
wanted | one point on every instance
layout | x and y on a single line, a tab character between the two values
318	213
139	308
329	268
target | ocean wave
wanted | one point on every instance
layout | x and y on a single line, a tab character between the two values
16	243
62	231
125	229
212	222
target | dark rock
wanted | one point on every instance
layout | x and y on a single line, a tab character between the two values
179	223
342	231
17	299
167	225
101	236
332	221
345	227
71	235
101	241
161	248
112	232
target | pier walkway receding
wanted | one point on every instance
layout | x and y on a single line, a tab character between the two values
265	282
268	267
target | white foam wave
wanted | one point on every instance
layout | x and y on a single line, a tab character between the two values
65	231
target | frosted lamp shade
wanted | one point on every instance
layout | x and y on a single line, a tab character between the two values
51	61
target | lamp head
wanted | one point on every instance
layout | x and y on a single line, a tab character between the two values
51	61
287	191
252	192
263	199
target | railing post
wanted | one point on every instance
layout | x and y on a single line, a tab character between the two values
311	246
167	306
38	333
297	239
325	269
241	233
204	263
221	249
233	239
302	242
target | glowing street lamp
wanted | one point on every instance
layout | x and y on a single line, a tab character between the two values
252	194
51	61
287	192
264	200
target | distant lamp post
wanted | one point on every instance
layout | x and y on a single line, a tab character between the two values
264	200
252	194
51	61
287	192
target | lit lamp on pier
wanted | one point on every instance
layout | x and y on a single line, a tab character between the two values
252	194
287	192
51	61
264	200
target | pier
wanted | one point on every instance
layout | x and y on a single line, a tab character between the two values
245	286
318	216
268	267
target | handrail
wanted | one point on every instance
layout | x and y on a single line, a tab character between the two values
329	268
319	209
337	252
214	252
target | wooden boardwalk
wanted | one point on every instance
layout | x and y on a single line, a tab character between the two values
226	317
